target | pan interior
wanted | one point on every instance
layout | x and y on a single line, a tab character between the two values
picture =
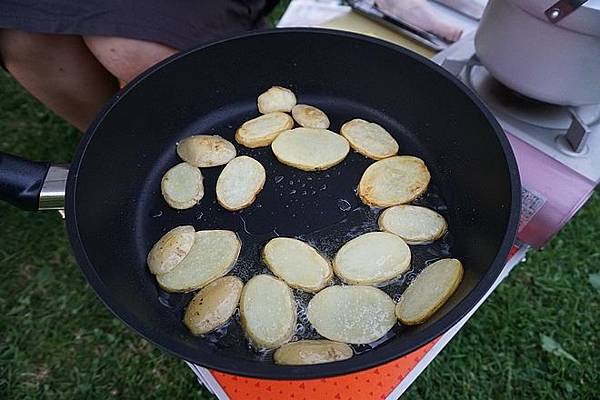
120	212
320	208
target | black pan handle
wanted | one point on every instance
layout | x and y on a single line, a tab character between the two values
31	185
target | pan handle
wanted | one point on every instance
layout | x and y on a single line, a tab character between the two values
32	185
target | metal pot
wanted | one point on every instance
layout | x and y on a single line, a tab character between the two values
532	48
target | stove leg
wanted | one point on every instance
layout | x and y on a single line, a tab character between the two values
455	67
578	132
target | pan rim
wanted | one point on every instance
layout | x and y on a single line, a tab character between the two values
249	368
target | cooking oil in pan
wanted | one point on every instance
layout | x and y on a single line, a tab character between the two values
321	208
299	204
328	240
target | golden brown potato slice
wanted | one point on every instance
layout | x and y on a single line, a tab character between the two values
205	151
182	186
310	149
306	352
277	98
261	131
171	249
239	183
268	311
212	306
297	263
371	259
392	181
212	255
429	291
414	224
310	117
369	139
352	314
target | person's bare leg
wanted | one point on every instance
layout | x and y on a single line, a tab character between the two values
60	71
127	58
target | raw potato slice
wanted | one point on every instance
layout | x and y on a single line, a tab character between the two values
393	181
429	291
261	131
182	186
305	352
414	224
310	117
352	314
310	149
371	259
277	98
239	183
212	306
268	311
205	151
212	256
171	249
369	139
298	264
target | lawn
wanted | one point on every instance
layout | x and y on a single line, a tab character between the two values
58	341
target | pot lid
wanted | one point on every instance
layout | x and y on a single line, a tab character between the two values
585	19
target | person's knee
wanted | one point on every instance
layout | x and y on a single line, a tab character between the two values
127	58
60	71
19	49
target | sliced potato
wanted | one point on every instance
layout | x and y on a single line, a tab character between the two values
239	183
310	117
369	139
352	314
310	149
429	291
212	306
182	186
268	311
305	352
414	224
261	131
170	249
371	259
392	181
213	255
297	263
277	98
205	151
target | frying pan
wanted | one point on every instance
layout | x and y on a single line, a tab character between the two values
115	212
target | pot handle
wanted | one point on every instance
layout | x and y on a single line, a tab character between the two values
562	8
32	185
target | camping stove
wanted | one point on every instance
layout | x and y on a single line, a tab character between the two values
557	147
558	153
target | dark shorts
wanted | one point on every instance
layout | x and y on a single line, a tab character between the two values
176	23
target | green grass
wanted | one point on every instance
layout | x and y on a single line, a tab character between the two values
58	341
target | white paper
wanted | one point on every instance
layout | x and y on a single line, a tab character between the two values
455	18
311	13
472	8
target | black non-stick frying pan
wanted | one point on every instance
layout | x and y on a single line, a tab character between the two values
115	212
